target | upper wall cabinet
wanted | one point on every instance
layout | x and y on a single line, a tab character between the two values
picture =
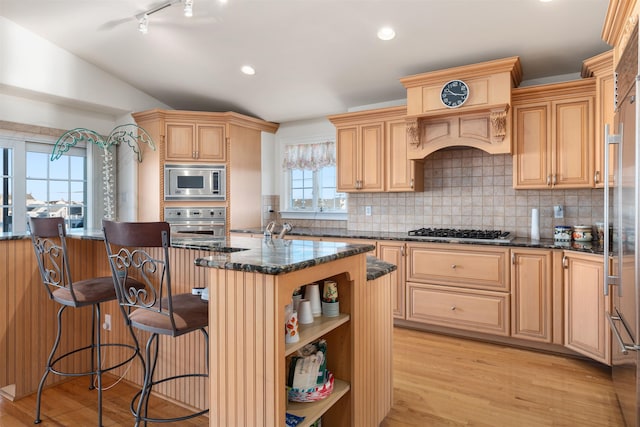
195	136
482	121
371	152
601	68
554	137
196	142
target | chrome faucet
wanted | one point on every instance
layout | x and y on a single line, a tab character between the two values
286	227
268	230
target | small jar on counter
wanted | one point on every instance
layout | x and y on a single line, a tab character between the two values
582	233
562	233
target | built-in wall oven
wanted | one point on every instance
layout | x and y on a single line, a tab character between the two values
195	182
202	222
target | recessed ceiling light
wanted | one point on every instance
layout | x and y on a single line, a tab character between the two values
248	70
386	33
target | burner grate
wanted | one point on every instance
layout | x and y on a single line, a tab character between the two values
458	234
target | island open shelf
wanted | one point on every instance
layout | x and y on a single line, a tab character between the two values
313	331
314	410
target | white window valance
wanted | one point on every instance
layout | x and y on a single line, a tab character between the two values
309	156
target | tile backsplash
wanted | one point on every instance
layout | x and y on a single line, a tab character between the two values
468	188
464	188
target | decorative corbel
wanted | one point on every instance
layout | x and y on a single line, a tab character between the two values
499	124
413	132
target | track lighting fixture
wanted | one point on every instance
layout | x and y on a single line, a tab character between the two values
143	24
188	8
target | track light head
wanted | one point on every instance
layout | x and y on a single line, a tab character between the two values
188	8
143	24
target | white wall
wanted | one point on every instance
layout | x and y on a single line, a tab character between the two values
44	85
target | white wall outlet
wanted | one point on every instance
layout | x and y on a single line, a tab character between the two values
367	210
107	322
558	211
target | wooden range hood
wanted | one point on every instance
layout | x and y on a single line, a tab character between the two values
483	121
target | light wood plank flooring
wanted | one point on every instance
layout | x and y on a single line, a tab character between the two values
438	381
447	381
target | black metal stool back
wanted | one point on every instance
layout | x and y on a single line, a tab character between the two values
48	236
141	250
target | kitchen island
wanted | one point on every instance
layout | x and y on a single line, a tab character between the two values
250	283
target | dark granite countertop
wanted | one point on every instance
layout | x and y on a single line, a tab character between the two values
276	256
589	247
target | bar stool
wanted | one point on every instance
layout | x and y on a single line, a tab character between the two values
141	250
49	243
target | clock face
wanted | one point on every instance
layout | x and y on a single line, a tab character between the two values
454	93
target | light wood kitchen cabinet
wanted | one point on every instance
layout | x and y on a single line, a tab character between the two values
531	294
395	253
222	138
195	142
586	329
554	136
402	174
359	157
371	152
459	286
601	68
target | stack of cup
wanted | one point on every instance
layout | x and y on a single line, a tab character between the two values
291	334
330	304
312	293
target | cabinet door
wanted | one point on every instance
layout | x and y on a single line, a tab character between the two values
532	146
531	295
402	174
180	142
586	328
572	143
370	159
211	144
605	115
393	252
347	158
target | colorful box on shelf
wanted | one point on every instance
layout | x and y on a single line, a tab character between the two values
313	394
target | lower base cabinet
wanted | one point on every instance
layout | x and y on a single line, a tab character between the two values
586	329
531	295
473	310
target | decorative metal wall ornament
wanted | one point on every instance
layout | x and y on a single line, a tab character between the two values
131	134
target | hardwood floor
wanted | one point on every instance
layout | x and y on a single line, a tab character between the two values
438	381
447	381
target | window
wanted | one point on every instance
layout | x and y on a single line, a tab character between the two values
58	187
315	191
311	180
6	188
33	185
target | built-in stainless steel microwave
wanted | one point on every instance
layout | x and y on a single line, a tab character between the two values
195	182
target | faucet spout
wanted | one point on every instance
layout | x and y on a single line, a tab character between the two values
286	227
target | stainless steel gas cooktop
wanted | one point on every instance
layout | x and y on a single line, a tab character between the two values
453	234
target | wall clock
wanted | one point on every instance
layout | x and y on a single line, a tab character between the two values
454	93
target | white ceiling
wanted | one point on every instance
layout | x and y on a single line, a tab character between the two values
313	57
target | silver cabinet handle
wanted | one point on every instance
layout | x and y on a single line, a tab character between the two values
453	308
411	185
596	177
453	266
513	259
555	179
565	263
549	180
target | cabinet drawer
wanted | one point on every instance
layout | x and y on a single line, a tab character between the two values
481	311
480	268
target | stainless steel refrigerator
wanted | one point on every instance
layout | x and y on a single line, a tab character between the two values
622	202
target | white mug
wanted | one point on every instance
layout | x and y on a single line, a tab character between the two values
305	316
312	293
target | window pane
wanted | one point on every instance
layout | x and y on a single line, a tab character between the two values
59	192
37	165
59	169
6	188
37	190
77	167
77	193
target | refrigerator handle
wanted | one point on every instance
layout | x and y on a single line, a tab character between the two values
624	349
609	140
